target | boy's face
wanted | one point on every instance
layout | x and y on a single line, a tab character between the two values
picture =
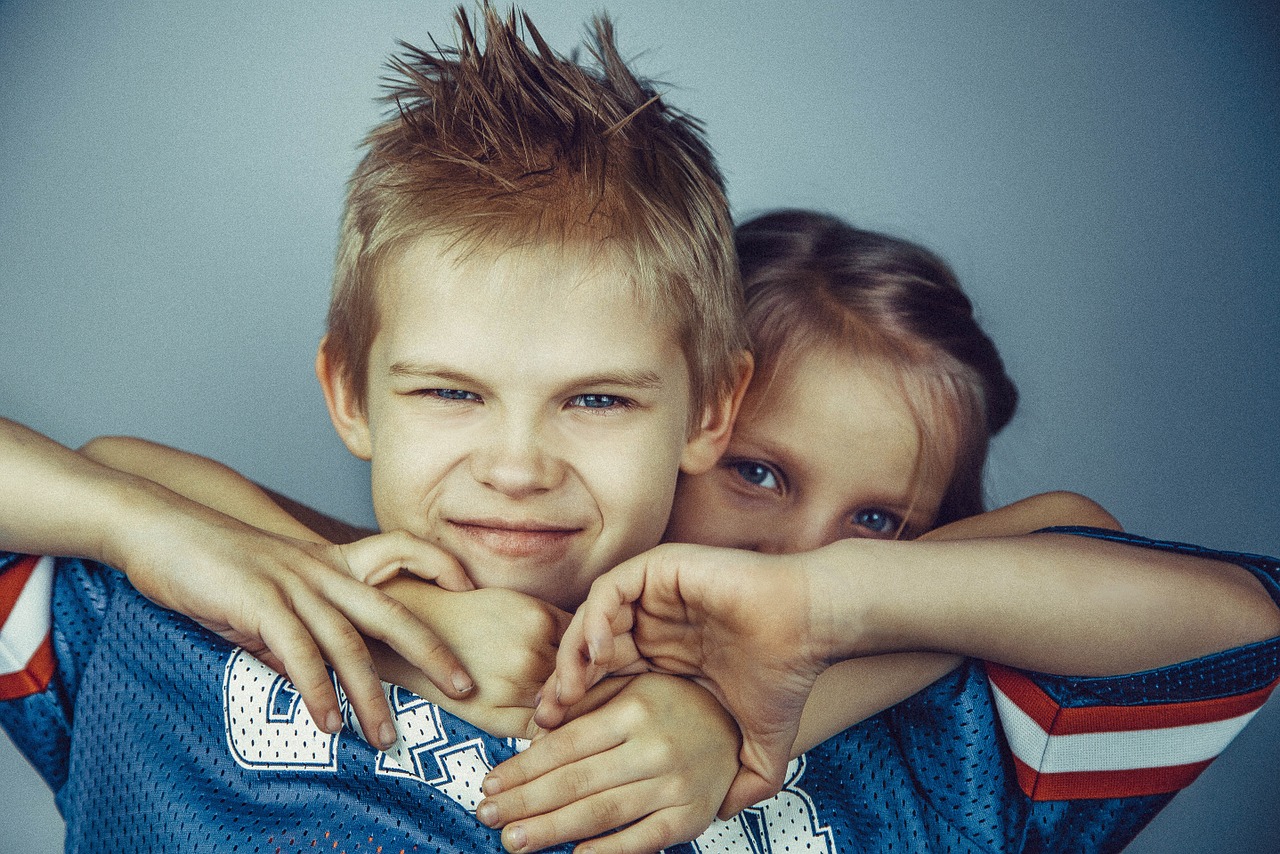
824	450
524	412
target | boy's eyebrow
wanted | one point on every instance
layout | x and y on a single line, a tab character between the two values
639	380
419	371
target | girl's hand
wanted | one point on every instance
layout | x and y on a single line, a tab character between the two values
741	623
506	640
296	605
656	760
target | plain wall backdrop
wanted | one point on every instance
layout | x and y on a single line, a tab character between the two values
1103	176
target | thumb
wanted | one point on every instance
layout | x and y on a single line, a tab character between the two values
748	788
762	772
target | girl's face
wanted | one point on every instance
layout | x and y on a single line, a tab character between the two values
825	450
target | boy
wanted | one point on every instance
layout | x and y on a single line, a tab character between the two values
536	325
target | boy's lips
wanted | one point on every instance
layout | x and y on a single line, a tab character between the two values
517	539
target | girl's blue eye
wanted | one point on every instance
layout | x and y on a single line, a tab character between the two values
756	474
598	401
879	522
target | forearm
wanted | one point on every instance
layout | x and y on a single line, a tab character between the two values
1053	603
851	691
202	480
55	501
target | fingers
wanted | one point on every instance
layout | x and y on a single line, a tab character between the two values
381	557
604	812
653	833
303	626
289	649
596	643
374	614
589	797
548	754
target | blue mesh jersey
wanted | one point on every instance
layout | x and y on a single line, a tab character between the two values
156	735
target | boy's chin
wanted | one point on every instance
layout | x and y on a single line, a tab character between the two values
561	585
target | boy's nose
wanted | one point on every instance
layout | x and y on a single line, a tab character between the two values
517	462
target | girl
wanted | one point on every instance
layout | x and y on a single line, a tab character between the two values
869	416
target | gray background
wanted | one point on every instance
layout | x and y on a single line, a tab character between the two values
1103	176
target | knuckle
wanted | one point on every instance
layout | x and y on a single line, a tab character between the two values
346	641
576	781
605	812
661	832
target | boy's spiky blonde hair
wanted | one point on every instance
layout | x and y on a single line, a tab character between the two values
500	142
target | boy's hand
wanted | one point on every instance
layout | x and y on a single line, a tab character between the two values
295	605
658	757
740	622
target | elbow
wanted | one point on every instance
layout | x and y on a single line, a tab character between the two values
1082	511
106	449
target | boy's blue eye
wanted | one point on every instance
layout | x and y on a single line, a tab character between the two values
877	521
451	394
598	401
756	474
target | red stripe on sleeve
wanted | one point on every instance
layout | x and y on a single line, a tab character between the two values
1074	785
33	678
1079	720
12	582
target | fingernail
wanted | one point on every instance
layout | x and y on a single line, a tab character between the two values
515	838
593	651
537	699
333	722
487	813
461	682
557	689
387	735
491	786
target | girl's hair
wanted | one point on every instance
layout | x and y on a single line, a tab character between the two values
812	281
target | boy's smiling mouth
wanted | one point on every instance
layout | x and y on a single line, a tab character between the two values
517	538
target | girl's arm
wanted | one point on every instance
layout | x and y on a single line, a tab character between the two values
212	484
851	691
506	641
758	629
270	594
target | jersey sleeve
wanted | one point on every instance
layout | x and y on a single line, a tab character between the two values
51	614
1141	734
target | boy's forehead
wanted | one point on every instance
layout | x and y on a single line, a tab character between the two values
564	271
484	306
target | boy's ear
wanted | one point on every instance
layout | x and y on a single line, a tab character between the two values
348	416
708	441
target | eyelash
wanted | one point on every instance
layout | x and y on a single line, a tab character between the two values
613	402
748	470
580	401
740	467
450	395
892	526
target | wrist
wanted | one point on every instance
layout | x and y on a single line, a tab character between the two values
869	597
840	600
